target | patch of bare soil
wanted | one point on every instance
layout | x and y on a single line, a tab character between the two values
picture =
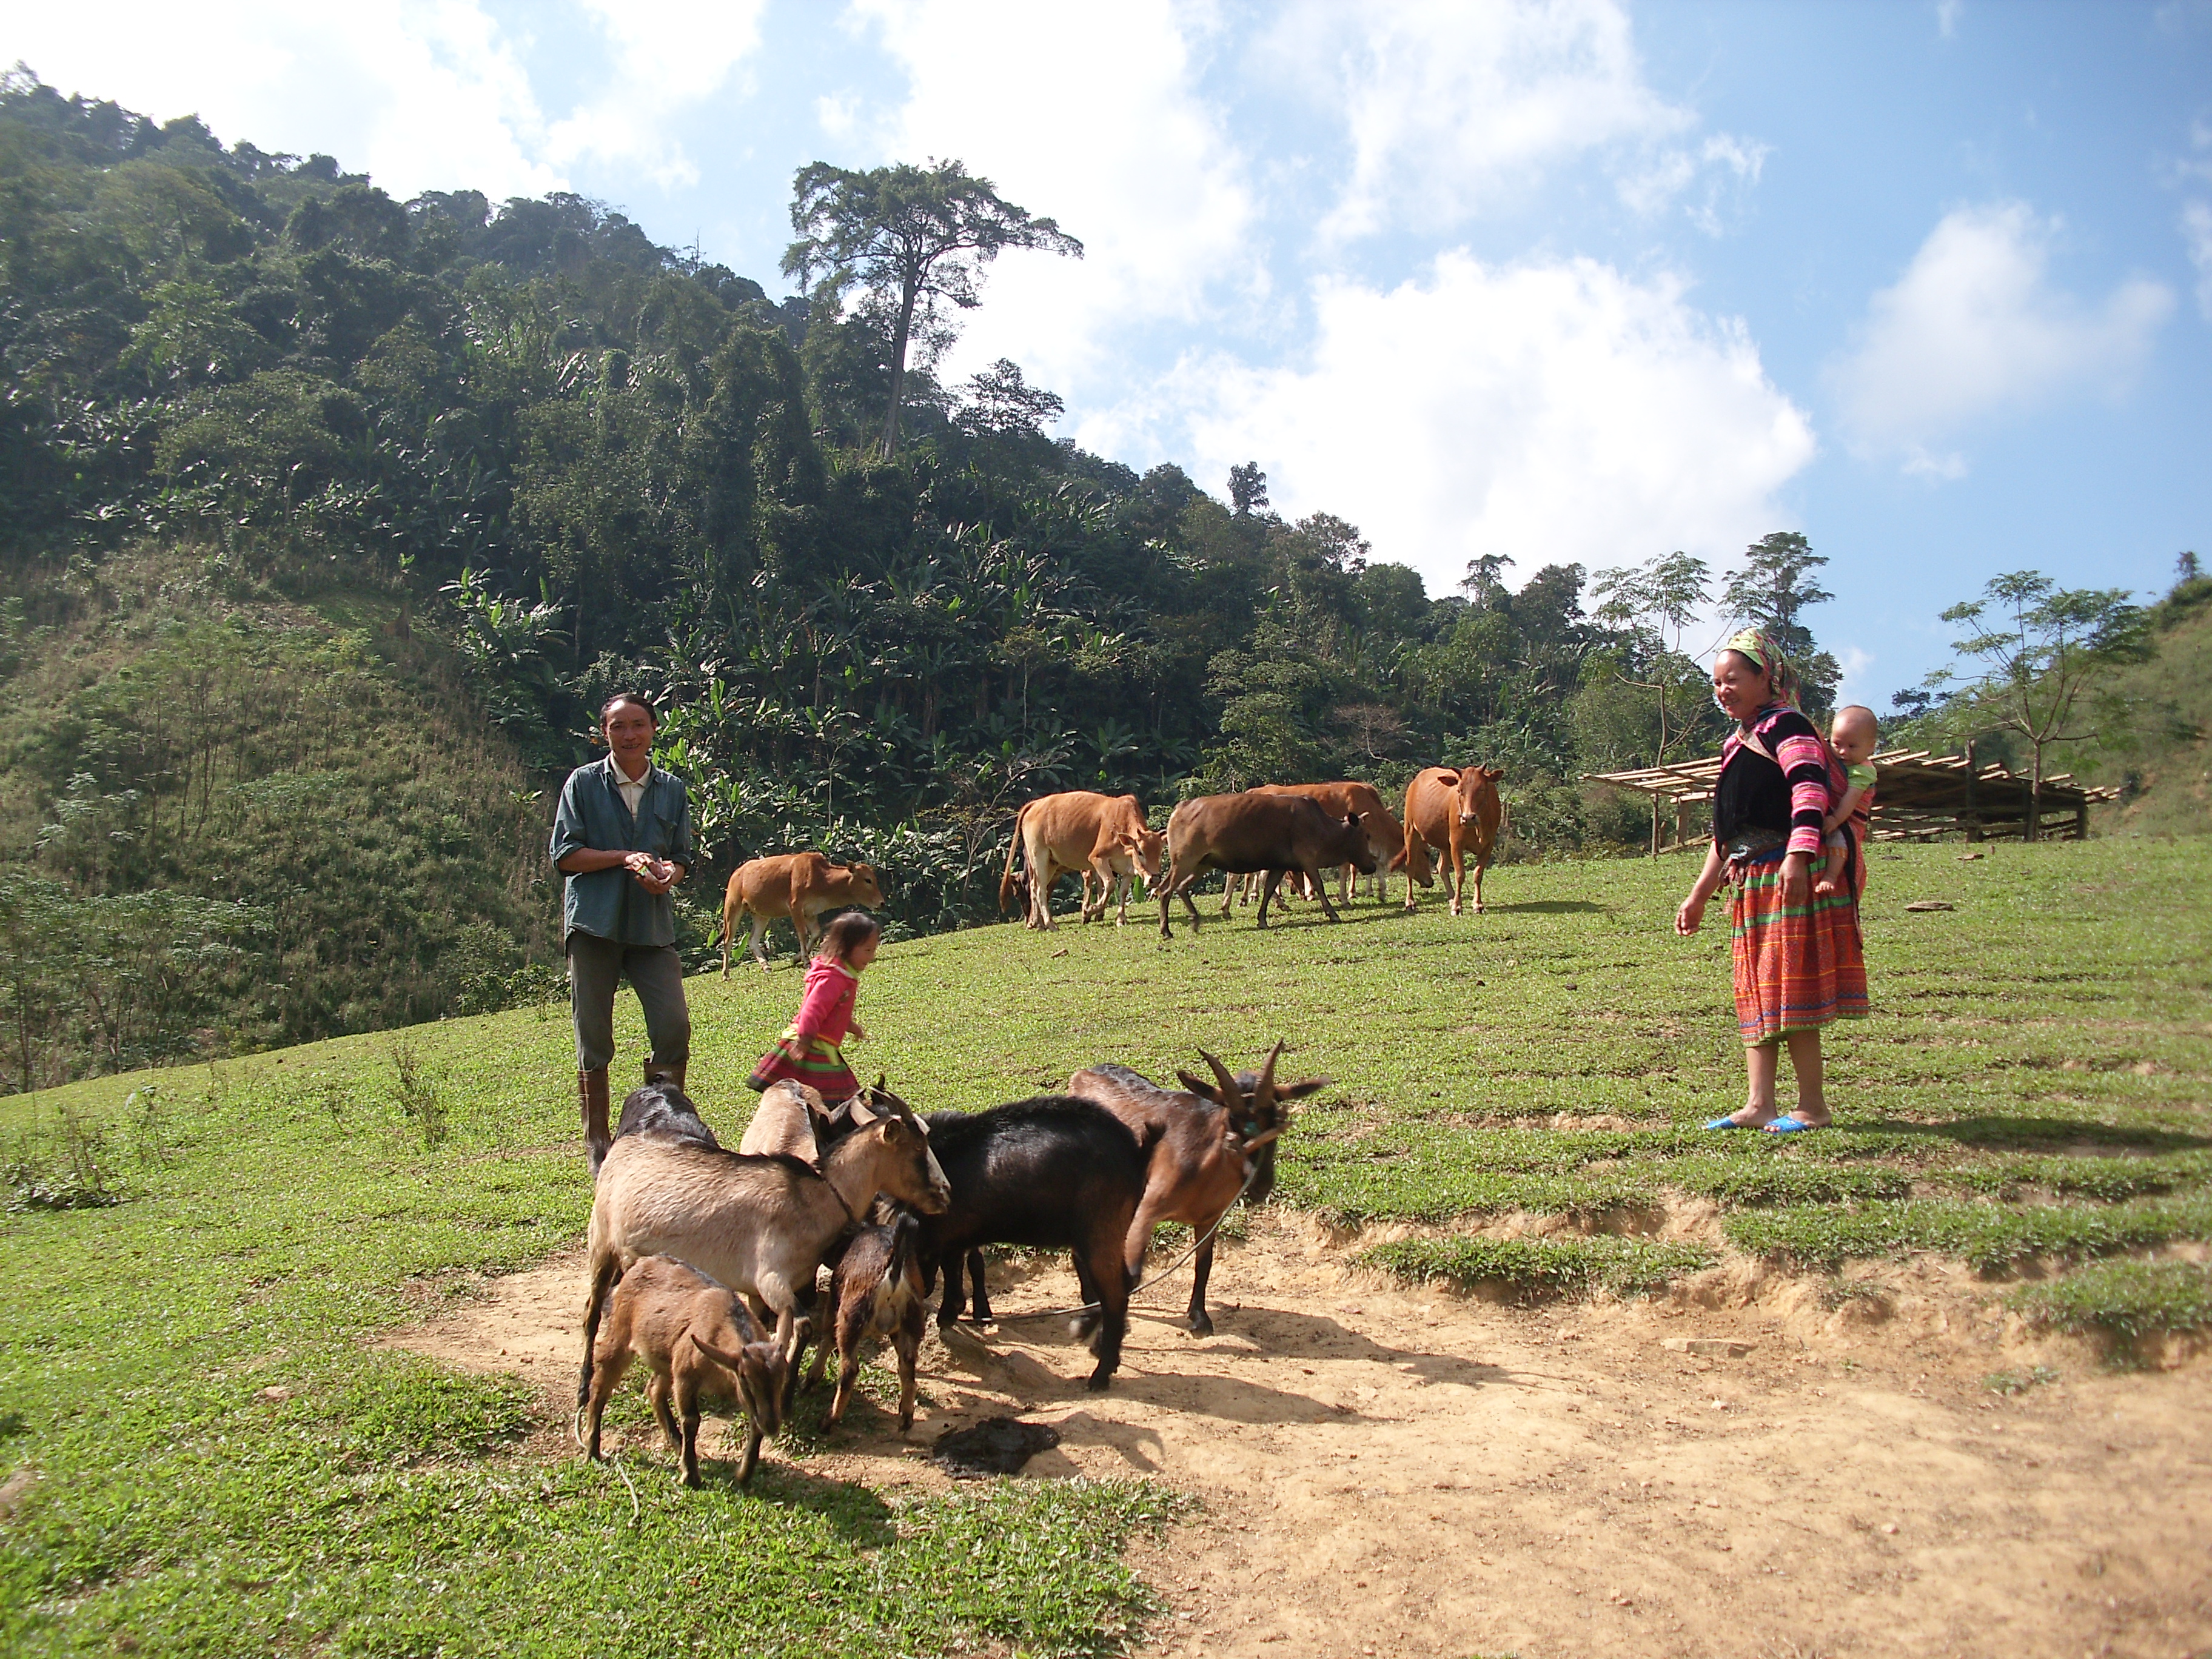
1388	1471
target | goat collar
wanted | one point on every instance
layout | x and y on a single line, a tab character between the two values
828	1181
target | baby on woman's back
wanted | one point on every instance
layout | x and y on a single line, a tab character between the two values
1854	736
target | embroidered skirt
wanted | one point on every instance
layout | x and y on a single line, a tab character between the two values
1797	968
807	1059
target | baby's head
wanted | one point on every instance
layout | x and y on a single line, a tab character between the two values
1854	735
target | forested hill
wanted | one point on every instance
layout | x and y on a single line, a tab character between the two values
258	410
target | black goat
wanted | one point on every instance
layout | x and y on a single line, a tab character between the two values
1053	1173
663	1111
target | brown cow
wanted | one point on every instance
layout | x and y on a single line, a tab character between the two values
1080	832
1386	838
1252	831
1454	810
797	885
1211	1145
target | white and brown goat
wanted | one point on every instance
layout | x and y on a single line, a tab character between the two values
759	1225
1209	1145
703	1346
877	1293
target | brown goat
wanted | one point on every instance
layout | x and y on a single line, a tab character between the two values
877	1292
1210	1146
761	1225
703	1346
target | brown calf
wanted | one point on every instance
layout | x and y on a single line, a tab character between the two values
1454	810
1079	832
1212	1145
703	1347
797	885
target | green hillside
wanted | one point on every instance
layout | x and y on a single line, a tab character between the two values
225	1467
253	820
2159	751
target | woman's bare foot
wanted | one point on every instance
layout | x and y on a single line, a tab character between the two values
1746	1117
1802	1117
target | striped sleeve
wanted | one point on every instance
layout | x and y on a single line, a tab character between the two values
1804	765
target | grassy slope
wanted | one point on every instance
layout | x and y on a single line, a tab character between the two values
2036	1076
297	756
2169	700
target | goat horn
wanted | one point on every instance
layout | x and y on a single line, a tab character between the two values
1230	1093
1265	1094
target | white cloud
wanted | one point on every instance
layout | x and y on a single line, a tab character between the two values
1722	165
667	54
1857	666
422	95
2197	231
837	114
1091	116
1974	329
1548	411
1947	17
1451	106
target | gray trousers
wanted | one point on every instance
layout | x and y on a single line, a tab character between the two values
655	972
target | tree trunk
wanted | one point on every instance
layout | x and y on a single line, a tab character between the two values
907	297
1973	815
2034	827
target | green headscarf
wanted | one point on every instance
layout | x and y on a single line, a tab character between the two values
1762	651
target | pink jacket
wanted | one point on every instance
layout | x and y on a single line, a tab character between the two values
826	1012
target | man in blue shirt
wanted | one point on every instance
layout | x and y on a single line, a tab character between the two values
623	838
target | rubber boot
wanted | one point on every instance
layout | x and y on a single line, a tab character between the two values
592	1098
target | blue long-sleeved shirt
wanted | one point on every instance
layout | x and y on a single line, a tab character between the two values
610	903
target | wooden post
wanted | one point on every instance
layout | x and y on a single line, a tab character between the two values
2082	818
1973	815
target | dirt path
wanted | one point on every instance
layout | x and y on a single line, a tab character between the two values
1387	1472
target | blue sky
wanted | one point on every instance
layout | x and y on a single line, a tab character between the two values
1931	283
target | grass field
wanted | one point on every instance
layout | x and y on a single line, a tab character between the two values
208	1456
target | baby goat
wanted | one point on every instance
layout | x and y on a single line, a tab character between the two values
702	1344
877	1292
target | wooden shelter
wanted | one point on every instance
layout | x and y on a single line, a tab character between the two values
1918	795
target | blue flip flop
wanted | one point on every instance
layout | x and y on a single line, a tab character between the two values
1728	1123
1791	1126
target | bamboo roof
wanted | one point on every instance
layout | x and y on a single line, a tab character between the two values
1917	792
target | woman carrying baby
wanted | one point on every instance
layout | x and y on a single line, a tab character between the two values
1798	962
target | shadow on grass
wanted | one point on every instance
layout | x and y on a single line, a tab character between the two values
857	1513
2092	1139
1548	907
1278	921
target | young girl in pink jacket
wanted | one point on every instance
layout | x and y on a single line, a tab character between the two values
811	1049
